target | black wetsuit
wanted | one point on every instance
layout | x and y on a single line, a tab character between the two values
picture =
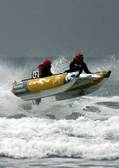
76	66
44	70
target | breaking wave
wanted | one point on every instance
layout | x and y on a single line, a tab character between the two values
83	127
81	138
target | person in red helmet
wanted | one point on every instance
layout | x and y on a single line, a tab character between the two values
45	68
78	64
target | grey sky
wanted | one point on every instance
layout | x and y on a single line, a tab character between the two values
53	27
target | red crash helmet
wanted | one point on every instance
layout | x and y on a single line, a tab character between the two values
78	56
47	62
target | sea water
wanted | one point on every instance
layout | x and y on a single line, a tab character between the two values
79	132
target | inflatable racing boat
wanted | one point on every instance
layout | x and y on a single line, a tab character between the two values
62	86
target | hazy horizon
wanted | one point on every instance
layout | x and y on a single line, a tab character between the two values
38	28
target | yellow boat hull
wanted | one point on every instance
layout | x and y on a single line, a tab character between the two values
62	86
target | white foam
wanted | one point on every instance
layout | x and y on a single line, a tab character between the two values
33	137
60	65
